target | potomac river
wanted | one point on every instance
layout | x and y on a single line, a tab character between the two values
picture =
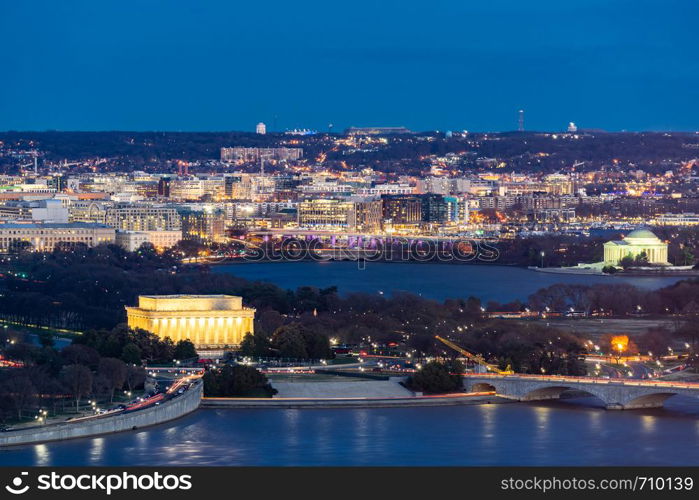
434	281
551	433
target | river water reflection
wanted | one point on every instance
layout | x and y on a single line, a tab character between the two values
435	281
552	433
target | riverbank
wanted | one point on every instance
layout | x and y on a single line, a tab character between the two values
325	403
170	410
542	433
361	261
569	270
671	272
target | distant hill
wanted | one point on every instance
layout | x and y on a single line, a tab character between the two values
522	151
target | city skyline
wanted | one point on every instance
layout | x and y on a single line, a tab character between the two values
458	238
204	67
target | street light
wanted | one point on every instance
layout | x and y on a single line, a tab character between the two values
542	258
620	348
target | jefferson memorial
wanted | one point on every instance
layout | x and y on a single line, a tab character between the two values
208	321
635	243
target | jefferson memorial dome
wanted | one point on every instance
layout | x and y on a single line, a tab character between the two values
634	244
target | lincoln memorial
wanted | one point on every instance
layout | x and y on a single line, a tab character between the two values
209	321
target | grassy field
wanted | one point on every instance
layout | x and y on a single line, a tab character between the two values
594	328
343	360
8	329
305	377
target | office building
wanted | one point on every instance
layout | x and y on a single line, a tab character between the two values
48	210
137	217
161	240
44	237
330	213
254	155
203	226
402	209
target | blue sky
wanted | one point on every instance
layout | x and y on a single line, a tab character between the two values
445	65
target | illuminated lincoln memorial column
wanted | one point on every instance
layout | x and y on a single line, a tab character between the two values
209	321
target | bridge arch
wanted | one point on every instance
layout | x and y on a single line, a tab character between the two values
483	387
652	400
550	392
555	391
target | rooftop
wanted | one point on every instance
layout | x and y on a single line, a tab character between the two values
185	296
55	225
641	233
184	303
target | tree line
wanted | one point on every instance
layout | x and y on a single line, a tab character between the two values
89	288
98	365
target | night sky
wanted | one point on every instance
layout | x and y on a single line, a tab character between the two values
444	65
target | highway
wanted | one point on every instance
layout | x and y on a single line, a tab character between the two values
178	387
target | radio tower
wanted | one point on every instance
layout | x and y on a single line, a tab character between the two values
520	121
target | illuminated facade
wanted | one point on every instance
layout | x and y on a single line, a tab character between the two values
402	209
377	130
132	240
684	219
45	237
324	213
208	321
243	155
637	242
204	226
328	213
132	217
